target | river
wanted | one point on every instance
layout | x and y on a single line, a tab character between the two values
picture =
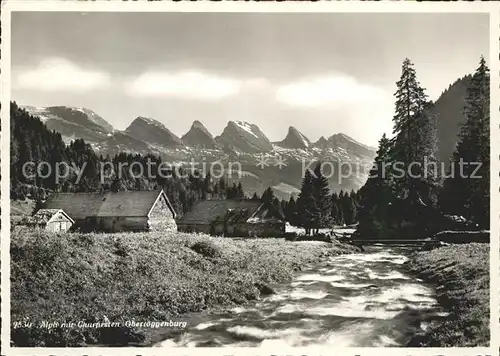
354	300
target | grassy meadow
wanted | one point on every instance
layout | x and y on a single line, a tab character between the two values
138	276
461	276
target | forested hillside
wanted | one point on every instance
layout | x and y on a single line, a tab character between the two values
449	108
406	194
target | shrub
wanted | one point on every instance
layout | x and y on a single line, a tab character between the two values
206	249
120	249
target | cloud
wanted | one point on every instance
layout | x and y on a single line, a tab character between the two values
362	110
187	84
59	74
258	84
333	90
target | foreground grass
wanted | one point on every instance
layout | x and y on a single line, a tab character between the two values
140	277
461	276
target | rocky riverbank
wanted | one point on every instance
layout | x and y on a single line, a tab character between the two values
460	275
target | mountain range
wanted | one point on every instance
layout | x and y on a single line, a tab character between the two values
281	163
239	143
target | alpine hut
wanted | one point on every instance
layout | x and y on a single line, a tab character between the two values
53	220
238	218
116	211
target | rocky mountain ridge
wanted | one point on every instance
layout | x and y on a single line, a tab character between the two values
241	144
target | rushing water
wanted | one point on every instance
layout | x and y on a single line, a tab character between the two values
363	299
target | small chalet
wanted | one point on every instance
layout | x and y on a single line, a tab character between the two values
116	211
54	220
238	218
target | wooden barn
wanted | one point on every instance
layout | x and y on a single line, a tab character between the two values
53	220
116	211
238	218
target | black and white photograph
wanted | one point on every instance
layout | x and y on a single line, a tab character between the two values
216	179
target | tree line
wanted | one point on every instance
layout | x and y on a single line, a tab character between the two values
415	201
312	212
315	207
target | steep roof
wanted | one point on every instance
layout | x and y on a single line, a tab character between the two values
106	204
76	205
43	216
265	212
207	210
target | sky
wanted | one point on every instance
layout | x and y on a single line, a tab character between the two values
323	73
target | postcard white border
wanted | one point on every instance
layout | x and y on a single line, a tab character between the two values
492	8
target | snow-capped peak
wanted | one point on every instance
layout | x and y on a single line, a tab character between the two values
246	126
150	121
79	110
241	136
197	125
304	139
295	139
152	132
199	136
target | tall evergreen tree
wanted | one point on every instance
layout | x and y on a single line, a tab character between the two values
222	188
268	196
348	210
290	211
322	200
335	210
378	193
464	192
240	194
380	184
353	195
415	142
305	203
207	186
232	191
314	202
